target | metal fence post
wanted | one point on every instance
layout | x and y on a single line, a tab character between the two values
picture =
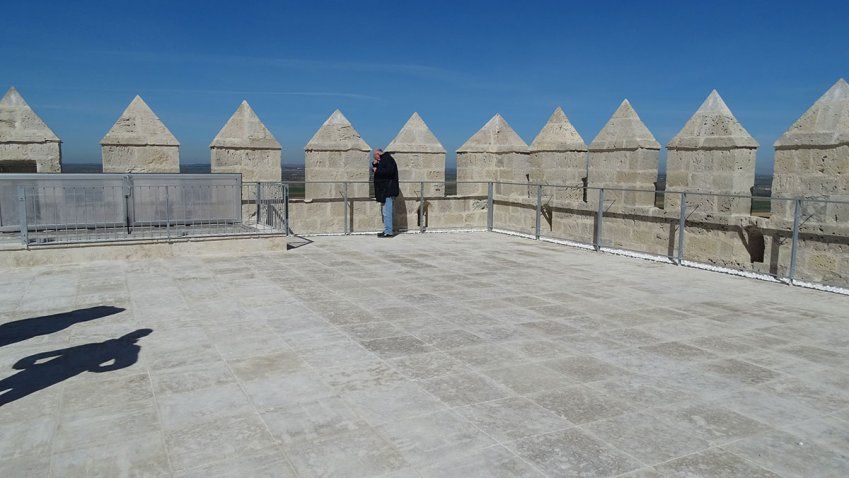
489	207
539	212
421	207
258	202
167	214
347	208
599	217
794	246
682	220
22	215
286	208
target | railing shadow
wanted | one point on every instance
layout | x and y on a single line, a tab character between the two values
46	369
20	330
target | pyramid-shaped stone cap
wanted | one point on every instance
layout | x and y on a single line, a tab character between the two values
337	134
826	123
138	125
496	136
558	134
415	137
713	126
624	131
19	123
244	130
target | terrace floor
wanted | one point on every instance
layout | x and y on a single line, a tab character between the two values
473	354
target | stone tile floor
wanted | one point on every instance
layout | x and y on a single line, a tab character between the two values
424	355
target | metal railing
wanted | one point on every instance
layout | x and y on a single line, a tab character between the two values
815	220
596	218
57	214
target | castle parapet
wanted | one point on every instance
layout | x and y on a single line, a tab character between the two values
27	145
624	155
558	155
712	154
494	153
139	142
336	153
420	157
244	145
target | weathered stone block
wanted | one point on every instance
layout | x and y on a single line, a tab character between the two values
139	142
420	157
140	159
558	155
494	153
26	143
719	156
244	145
337	153
812	159
624	155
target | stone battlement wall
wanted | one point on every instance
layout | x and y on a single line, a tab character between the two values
712	154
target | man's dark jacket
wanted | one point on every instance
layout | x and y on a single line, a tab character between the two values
386	178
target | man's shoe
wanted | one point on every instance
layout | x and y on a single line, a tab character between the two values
381	234
386	235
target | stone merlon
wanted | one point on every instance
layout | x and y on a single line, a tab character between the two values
415	137
138	125
624	131
496	136
558	135
244	130
20	124
337	134
826	123
713	126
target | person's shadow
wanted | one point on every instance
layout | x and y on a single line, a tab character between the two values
21	330
42	370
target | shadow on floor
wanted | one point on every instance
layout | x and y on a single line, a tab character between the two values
297	242
21	330
46	369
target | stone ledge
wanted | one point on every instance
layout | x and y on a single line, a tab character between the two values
139	250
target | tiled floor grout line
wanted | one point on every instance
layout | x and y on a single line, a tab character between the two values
159	422
255	410
449	408
480	372
781	328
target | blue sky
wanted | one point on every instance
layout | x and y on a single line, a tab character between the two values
456	63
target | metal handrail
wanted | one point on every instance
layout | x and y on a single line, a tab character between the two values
173	222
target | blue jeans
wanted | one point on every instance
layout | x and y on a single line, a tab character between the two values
387	210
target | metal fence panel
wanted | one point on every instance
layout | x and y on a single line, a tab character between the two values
80	199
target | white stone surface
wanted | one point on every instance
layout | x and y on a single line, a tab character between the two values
415	137
624	130
494	153
558	135
826	123
139	142
558	155
712	126
337	134
497	137
25	138
337	152
420	157
244	145
257	361
624	155
712	153
812	160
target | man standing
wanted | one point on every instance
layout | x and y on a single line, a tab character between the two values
385	187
